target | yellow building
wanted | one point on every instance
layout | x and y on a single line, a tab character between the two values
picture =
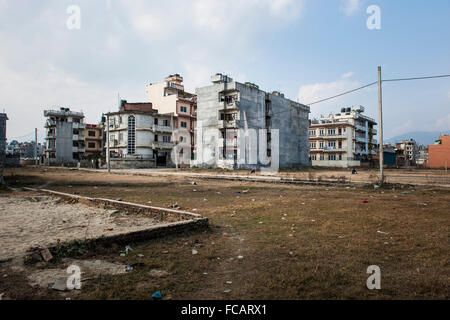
94	141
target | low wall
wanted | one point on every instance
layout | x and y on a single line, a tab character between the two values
125	163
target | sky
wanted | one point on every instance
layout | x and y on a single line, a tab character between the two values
307	49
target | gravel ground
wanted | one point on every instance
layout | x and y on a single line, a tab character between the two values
29	220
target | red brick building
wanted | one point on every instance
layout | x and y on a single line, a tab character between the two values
439	153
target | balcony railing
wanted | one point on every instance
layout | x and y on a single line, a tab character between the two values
228	124
77	125
50	123
166	129
162	145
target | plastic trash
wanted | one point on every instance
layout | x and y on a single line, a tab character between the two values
157	295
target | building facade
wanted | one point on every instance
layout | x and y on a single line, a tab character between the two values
169	97
439	153
65	141
94	142
235	114
406	152
342	140
139	132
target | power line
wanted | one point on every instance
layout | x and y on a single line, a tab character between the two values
360	88
417	78
341	94
18	138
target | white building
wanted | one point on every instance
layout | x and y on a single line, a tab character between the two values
342	140
138	132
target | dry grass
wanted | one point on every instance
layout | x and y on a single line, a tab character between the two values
298	242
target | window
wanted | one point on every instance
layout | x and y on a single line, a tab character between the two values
312	145
340	157
91	145
332	144
183	124
312	133
313	157
183	109
321	145
120	137
322	132
332	157
166	138
131	135
331	132
91	133
322	157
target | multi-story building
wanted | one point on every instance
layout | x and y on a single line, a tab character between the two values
439	153
3	119
139	132
422	155
28	149
169	97
94	141
406	152
65	141
343	139
237	113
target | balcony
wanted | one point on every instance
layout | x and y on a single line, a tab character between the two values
77	125
50	135
229	142
164	129
360	128
228	124
50	123
230	106
362	139
78	137
162	145
337	136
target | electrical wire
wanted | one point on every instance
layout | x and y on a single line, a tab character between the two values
360	88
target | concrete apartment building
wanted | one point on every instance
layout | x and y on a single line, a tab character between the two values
439	153
140	137
406	152
3	119
342	140
169	97
229	108
65	141
94	142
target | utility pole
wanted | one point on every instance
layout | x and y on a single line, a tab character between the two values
380	125
108	154
35	148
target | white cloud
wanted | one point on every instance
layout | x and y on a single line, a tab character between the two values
350	7
317	91
347	75
442	124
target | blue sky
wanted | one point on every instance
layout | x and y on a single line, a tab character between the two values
308	49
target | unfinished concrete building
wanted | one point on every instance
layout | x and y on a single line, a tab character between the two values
65	141
231	117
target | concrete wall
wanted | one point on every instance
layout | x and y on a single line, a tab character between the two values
127	163
64	143
289	117
336	164
2	138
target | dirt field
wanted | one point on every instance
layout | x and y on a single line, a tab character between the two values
33	220
266	241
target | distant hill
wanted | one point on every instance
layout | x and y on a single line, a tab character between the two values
421	137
